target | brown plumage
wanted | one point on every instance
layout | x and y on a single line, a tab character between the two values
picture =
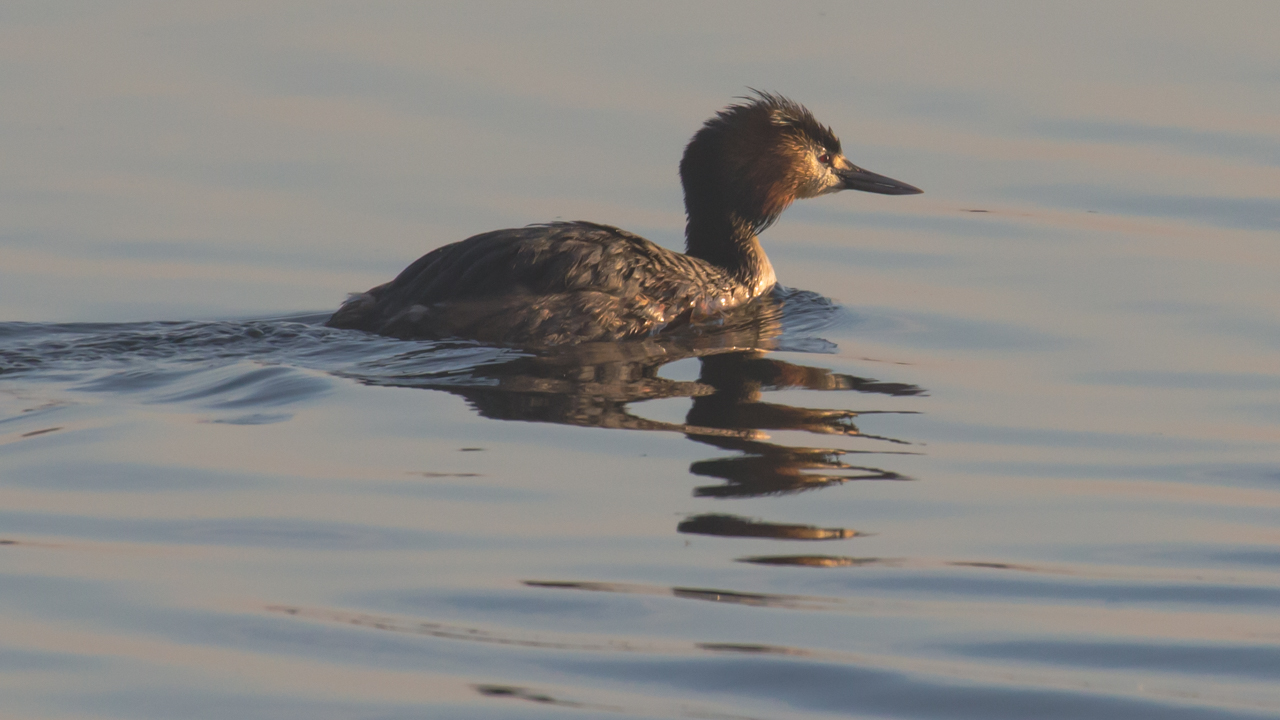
581	282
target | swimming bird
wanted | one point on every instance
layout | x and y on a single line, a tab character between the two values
574	282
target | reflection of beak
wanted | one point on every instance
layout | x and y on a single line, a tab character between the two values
855	178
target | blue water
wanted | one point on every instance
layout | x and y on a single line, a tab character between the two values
1008	449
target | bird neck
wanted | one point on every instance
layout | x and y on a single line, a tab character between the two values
729	242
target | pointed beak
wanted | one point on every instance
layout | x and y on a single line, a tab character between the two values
855	178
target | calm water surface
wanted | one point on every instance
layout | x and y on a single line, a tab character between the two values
1009	449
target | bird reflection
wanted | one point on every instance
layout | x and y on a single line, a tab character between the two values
597	385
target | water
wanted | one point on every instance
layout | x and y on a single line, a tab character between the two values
1011	449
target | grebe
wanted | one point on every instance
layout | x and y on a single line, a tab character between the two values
573	282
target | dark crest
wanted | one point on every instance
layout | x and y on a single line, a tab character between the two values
779	112
787	113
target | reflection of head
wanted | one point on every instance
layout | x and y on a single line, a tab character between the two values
769	469
733	526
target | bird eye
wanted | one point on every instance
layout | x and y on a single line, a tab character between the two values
825	158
